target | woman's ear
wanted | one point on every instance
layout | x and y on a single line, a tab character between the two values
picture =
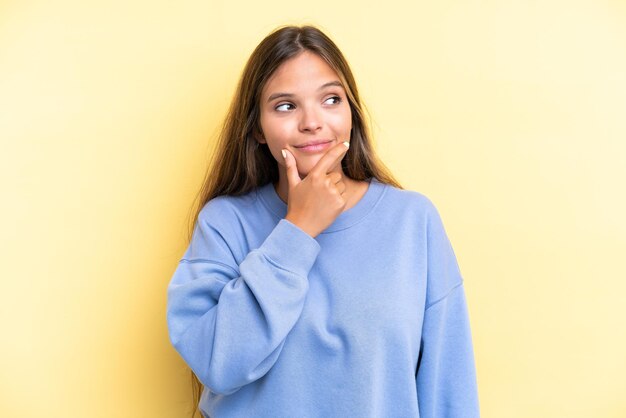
258	135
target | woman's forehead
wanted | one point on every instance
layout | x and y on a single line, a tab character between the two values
305	71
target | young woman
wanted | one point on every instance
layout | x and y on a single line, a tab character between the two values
313	284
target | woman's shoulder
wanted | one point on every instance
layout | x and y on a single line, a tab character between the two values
414	208
225	207
407	198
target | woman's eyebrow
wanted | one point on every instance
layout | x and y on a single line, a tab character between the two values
278	95
336	83
274	96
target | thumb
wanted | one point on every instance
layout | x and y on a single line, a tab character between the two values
293	178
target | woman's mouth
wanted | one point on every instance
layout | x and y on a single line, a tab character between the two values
315	146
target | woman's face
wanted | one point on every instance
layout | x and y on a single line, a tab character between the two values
304	102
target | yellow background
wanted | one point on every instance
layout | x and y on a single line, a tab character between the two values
509	115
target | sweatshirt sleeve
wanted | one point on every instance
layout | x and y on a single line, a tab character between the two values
227	321
446	375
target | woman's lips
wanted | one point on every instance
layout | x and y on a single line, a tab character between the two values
315	148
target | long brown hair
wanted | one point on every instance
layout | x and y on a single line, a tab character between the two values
239	163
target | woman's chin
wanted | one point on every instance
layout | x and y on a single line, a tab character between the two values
305	165
303	173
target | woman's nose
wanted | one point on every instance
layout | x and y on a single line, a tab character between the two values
310	120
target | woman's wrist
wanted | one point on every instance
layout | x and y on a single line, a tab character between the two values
302	225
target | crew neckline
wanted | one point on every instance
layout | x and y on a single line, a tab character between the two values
346	219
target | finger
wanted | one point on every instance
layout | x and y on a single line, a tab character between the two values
341	187
335	176
330	159
293	178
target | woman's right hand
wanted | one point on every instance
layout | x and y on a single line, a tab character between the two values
316	201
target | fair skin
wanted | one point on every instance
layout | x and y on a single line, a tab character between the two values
304	101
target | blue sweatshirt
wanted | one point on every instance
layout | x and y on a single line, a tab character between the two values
368	319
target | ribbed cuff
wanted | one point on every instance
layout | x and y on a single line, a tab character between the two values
291	248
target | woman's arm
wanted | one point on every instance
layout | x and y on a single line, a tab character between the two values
229	322
446	375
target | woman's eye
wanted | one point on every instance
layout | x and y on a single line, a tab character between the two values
333	100
284	107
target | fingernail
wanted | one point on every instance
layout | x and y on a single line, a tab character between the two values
347	144
284	154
